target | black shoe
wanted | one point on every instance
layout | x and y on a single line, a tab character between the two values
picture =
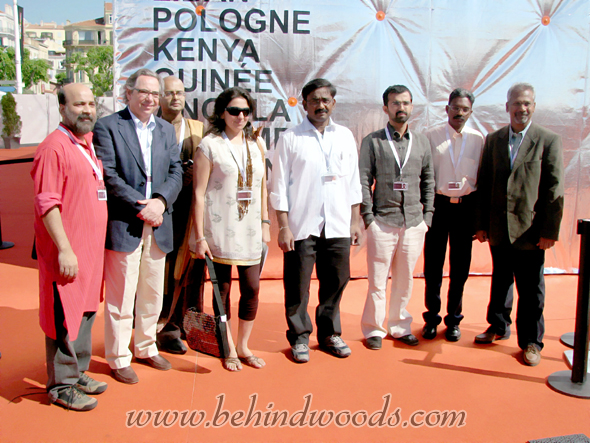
373	343
429	331
174	346
490	335
453	333
409	340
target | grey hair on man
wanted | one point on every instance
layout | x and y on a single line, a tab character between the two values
132	80
520	87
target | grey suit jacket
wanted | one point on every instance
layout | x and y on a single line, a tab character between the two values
520	205
117	145
377	166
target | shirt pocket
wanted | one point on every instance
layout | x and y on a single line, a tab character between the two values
340	164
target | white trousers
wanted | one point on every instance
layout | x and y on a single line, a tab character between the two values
397	249
133	278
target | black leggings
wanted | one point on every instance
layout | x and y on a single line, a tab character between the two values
249	277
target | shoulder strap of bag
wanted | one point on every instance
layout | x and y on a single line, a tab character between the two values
215	283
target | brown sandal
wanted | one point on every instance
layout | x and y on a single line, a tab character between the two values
232	361
253	361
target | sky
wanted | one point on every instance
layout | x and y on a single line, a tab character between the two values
59	10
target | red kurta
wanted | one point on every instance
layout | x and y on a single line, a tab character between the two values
64	177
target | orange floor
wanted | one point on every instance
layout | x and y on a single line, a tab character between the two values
503	400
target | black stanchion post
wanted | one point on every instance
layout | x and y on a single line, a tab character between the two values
574	382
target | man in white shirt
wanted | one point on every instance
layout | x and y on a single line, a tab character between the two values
316	192
456	152
143	177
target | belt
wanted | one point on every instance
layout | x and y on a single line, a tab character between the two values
453	200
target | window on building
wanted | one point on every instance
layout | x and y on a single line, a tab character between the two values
86	36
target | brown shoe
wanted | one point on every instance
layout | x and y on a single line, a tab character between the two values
157	362
532	355
489	336
125	375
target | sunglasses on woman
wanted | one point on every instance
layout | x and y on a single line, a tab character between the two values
235	111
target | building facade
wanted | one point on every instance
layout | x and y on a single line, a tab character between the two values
81	36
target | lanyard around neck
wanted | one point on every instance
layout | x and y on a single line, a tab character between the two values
327	153
452	152
95	167
395	154
241	165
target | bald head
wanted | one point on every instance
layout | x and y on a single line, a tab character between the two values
172	102
77	108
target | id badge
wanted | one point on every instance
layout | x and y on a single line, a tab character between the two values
455	185
244	194
102	193
329	177
400	186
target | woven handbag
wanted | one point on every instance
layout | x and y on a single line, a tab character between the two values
207	333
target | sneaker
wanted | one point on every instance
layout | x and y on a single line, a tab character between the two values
532	355
373	343
335	346
90	386
73	399
300	353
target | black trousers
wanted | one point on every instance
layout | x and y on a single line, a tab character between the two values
332	261
191	295
452	222
526	268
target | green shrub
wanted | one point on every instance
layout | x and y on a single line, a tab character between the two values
10	119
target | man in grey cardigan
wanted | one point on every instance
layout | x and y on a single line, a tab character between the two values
397	213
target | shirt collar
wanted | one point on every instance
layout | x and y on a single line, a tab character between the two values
523	132
139	124
396	136
453	133
81	140
308	126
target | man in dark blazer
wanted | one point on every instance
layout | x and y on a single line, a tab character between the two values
520	186
143	177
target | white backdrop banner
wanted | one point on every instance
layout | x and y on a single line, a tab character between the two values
272	48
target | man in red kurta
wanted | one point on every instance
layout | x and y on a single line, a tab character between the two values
70	230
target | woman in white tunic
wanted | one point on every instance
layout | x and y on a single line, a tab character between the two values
231	212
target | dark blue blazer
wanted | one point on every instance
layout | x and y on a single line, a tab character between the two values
118	147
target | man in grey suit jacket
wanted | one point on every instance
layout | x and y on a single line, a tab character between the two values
520	206
397	211
143	176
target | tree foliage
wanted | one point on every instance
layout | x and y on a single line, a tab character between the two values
33	71
98	66
10	119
